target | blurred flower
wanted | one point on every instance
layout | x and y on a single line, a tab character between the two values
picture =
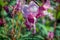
32	11
46	5
43	8
50	15
27	25
18	5
25	11
29	12
32	8
40	12
30	22
6	8
30	25
1	22
51	35
57	1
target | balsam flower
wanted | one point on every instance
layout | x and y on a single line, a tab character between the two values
51	35
46	5
42	11
43	8
29	12
32	8
32	11
30	23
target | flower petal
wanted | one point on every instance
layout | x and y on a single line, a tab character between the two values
40	12
33	7
25	10
47	4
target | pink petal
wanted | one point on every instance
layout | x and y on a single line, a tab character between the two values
31	18
47	4
25	11
40	12
33	7
50	34
27	25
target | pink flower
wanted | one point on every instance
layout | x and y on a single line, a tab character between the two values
25	11
1	22
27	25
30	18
32	11
43	8
40	12
51	16
29	12
32	8
18	5
30	22
46	5
51	35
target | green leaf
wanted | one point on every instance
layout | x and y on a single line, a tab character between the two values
58	16
26	35
39	36
2	3
42	28
3	12
12	2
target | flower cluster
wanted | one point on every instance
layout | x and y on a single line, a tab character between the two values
32	12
